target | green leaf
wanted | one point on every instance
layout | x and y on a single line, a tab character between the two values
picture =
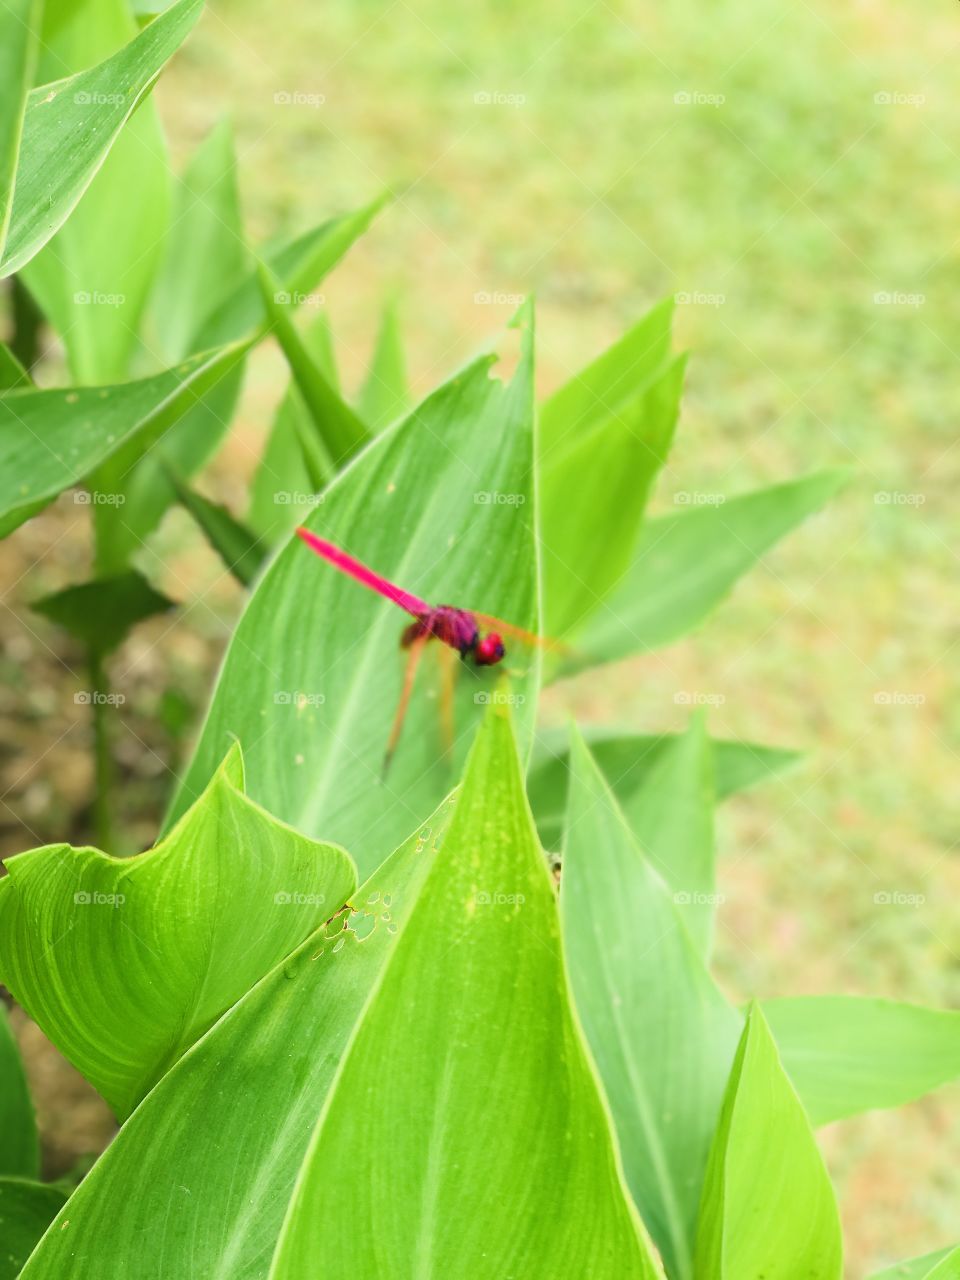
338	429
283	490
102	613
594	486
384	396
124	963
487	920
848	1054
627	759
205	253
661	1033
767	1208
942	1265
142	478
50	440
232	1120
12	372
317	635
226	1135
26	1210
671	814
685	564
19	1145
70	126
93	278
607	382
241	551
19	32
299	263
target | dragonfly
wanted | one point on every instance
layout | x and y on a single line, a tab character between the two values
476	637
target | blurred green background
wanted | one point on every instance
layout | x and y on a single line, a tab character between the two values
791	172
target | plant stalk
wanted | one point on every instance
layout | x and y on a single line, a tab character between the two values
102	758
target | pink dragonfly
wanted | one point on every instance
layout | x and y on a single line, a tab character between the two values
473	635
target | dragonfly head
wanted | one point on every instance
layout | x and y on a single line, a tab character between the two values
489	650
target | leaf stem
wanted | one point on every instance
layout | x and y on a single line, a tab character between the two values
102	758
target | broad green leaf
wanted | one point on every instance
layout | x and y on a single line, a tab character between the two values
204	254
385	396
768	1208
224	1134
102	613
203	258
69	128
93	278
685	564
847	1054
19	1146
125	962
661	1033
299	263
594	488
627	760
942	1265
312	677
19	33
671	814
425	1186
12	372
241	551
26	1210
338	429
50	440
608	381
142	478
283	489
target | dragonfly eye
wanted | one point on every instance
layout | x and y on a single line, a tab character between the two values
489	650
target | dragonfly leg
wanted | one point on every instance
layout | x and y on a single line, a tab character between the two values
415	651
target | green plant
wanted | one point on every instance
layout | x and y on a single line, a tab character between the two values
445	1070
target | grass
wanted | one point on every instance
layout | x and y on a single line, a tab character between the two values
783	198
